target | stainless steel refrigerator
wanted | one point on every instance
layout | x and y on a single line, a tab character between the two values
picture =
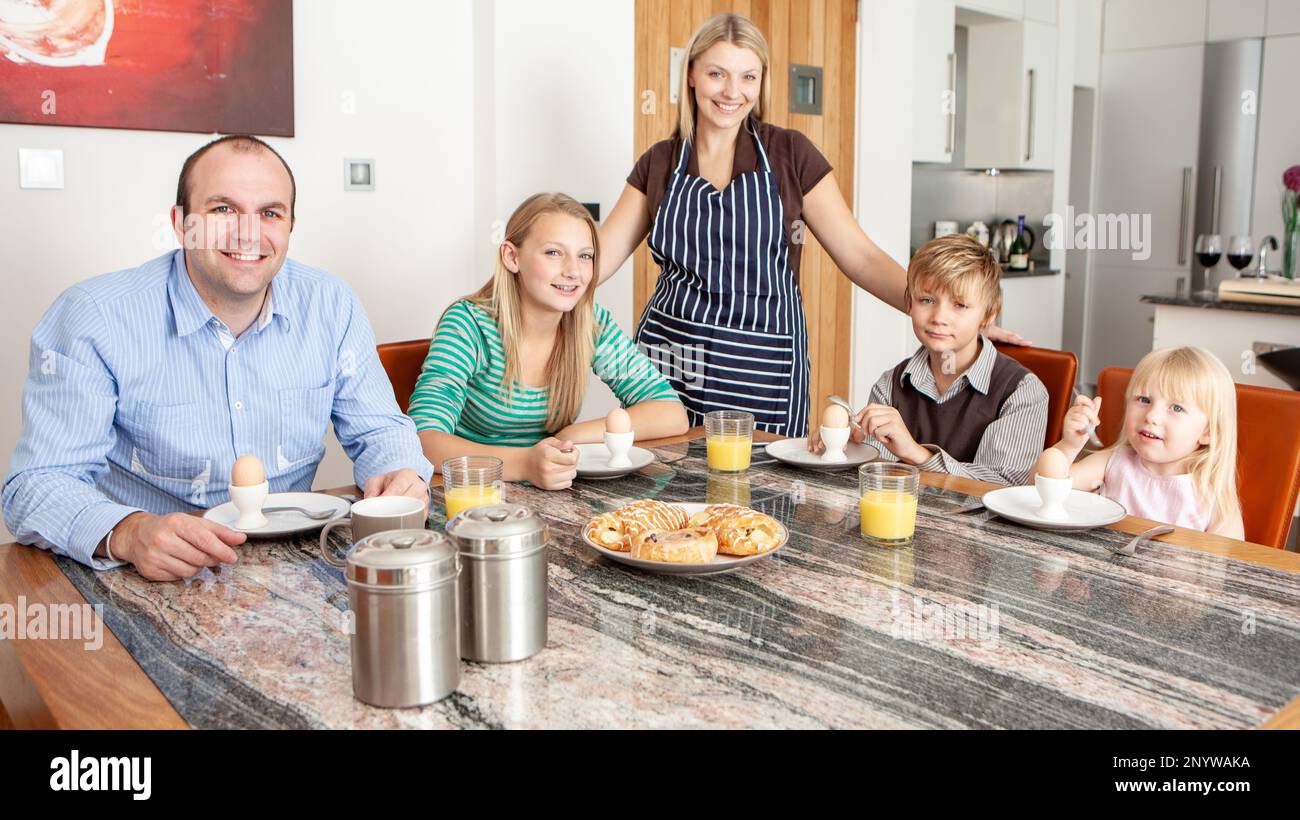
1225	173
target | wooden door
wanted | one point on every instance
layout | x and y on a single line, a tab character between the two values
804	32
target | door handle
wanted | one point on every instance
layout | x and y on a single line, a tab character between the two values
1182	217
1029	142
952	102
1214	204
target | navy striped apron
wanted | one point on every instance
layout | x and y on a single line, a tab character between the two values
725	324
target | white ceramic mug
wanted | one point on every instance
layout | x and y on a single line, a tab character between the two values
379	514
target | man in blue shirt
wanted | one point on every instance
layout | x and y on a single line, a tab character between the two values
145	385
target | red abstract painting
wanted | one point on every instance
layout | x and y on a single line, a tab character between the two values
206	66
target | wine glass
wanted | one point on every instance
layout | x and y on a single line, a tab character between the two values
1241	251
1209	247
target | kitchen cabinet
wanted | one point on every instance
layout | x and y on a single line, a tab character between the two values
1011	9
1011	102
1147	150
1032	307
1044	11
934	82
1279	123
1087	43
1235	19
1283	17
1152	23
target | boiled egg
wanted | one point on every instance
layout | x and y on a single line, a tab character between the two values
1054	464
618	421
247	472
835	416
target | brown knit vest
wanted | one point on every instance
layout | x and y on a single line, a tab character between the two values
958	424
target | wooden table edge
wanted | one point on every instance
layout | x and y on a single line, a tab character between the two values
123	696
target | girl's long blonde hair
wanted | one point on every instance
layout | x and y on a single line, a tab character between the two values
722	28
1195	375
575	339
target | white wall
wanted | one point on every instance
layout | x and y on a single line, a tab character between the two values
882	336
537	96
562	102
404	247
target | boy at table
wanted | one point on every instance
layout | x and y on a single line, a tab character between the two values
957	405
144	385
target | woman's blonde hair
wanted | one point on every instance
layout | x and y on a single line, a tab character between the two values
575	340
1194	375
722	28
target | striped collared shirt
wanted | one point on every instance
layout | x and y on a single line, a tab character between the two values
139	398
1010	445
460	387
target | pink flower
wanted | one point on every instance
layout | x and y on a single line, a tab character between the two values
1291	178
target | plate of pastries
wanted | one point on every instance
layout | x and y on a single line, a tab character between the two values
684	539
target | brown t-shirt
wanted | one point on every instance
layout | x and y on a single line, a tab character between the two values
797	163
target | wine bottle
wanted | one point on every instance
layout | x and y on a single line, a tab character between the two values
1018	257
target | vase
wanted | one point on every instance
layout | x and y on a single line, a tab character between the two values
1291	253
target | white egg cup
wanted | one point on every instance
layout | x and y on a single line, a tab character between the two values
619	445
249	500
835	439
1053	492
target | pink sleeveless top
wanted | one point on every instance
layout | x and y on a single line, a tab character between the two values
1170	499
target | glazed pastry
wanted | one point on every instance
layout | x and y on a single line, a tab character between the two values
747	533
712	514
696	545
607	531
649	514
615	530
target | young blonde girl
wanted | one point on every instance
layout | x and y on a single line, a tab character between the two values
1176	457
508	365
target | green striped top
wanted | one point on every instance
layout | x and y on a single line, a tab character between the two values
459	389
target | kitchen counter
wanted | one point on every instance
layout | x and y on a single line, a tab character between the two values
1219	304
981	623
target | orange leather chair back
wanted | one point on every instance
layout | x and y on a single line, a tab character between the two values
403	361
1057	370
1268	451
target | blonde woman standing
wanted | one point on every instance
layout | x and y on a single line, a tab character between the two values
508	365
720	203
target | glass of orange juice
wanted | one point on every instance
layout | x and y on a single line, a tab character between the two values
730	440
887	493
471	481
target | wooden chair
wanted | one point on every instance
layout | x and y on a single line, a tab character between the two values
403	361
1057	370
1268	451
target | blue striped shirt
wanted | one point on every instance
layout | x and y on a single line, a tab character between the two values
139	398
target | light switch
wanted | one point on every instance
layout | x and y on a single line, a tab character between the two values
358	175
40	168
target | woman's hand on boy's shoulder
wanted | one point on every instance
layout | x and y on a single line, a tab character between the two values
1004	336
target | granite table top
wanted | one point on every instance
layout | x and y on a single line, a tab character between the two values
980	623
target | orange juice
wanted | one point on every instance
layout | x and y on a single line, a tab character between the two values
729	454
888	515
473	495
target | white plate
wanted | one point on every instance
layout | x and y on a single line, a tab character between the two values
593	461
720	564
285	523
1087	510
794	451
